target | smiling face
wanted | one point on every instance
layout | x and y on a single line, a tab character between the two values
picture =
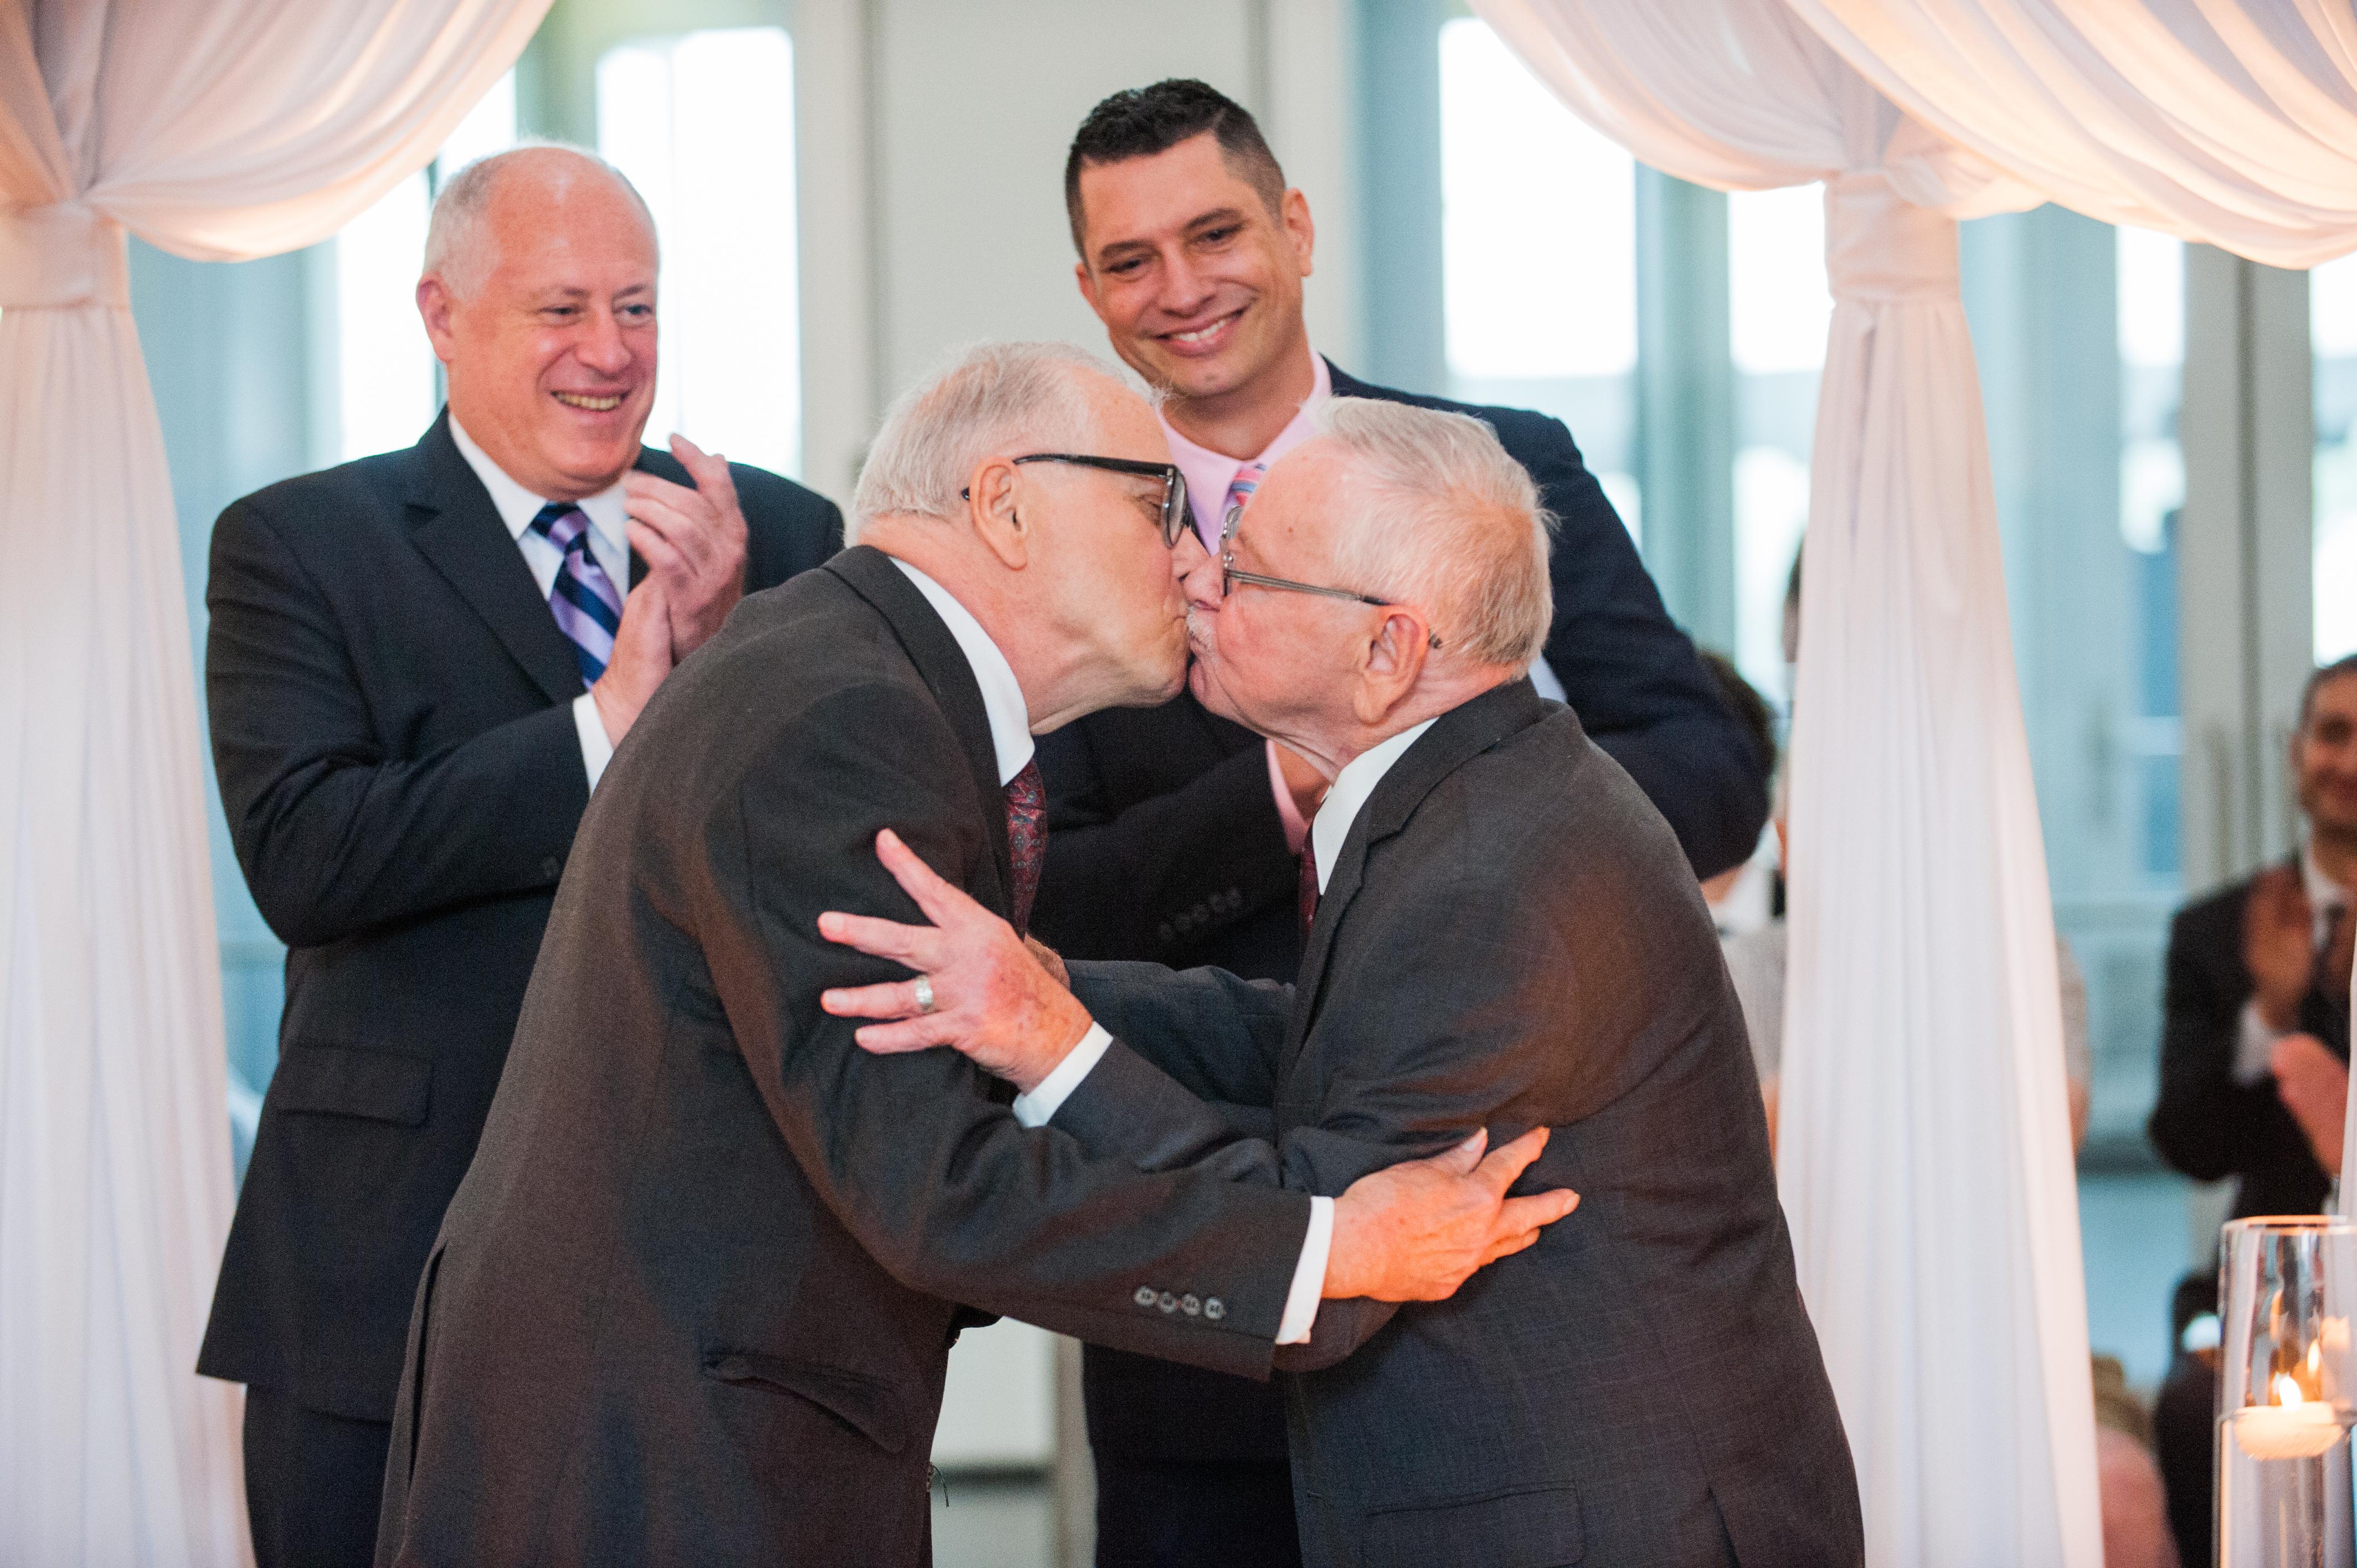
551	344
2324	759
1198	283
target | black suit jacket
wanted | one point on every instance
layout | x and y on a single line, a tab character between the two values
1165	843
1508	938
390	709
693	1301
2206	1124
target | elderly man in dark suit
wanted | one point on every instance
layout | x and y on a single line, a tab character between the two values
694	1300
1505	936
1177	833
417	665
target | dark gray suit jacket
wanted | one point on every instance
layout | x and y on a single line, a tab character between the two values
1510	939
694	1299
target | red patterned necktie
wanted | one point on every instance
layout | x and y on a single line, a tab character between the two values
1026	836
1308	888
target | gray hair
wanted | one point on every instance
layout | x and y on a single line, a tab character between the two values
993	398
458	239
1453	526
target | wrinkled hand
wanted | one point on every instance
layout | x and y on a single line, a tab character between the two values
2279	936
641	659
1417	1231
993	998
694	542
2314	1086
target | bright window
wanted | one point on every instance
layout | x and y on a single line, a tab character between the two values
703	125
1539	254
2332	318
385	381
1777	311
2149	286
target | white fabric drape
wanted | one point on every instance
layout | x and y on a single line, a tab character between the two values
1924	1148
2222	121
216	129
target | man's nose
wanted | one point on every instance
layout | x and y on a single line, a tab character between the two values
1185	288
1197	570
602	346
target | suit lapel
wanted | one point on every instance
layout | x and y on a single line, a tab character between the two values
455	526
1459	734
942	664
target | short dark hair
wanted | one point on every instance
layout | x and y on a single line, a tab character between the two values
2344	665
1742	699
1139	122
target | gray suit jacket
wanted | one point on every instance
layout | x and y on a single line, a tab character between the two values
694	1298
1510	938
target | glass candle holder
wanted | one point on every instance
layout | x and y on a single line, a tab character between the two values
2286	1393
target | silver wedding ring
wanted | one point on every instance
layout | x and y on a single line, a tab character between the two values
924	994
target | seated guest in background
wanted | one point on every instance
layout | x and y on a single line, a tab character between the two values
1178	835
1743	895
2254	1049
417	665
2136	1515
1502	935
694	1300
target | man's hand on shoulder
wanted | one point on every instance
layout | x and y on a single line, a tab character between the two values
1418	1229
979	988
693	539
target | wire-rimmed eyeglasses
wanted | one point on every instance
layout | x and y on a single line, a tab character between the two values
1231	574
1174	518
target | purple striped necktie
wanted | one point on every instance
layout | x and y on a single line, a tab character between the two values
1240	490
589	610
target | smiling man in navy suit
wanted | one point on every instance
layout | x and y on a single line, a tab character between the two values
1176	834
418	668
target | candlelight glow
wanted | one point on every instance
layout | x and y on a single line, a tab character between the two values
2288	1390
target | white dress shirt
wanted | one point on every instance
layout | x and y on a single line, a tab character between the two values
2254	1047
1010	737
609	544
1351	790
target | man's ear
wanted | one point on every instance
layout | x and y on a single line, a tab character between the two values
1087	280
1391	663
1293	211
434	305
992	513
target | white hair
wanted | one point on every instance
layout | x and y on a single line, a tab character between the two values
1452	526
1007	399
458	241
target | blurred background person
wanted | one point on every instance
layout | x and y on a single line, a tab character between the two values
418	665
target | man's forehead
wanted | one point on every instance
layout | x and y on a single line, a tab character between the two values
1131	201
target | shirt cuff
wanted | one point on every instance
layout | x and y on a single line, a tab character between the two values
1297	826
2255	1045
596	749
1308	1276
1038	1108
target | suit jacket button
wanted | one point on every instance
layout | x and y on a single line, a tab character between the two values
1164	934
1144	1296
1199	914
1215	1309
1166	1302
1189	1305
550	867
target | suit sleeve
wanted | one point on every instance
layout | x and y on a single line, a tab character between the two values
1630	674
913	1153
336	834
2205	1123
1219	1037
1166	871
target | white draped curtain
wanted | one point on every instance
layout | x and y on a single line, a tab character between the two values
218	130
1924	1154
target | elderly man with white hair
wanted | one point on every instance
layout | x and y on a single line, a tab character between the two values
417	666
1503	936
694	1300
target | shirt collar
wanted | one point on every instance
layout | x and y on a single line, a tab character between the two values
607	511
1209	473
1002	695
1348	796
2324	895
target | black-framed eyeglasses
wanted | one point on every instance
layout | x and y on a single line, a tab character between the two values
1174	518
1231	574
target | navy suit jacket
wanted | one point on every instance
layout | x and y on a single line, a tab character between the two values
1164	843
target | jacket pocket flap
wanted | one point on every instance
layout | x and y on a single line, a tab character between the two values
1533	1528
867	1404
338	1081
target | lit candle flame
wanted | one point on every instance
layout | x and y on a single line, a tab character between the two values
2288	1390
2315	1356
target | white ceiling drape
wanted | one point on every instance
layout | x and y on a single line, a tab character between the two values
1923	1146
2224	120
219	130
